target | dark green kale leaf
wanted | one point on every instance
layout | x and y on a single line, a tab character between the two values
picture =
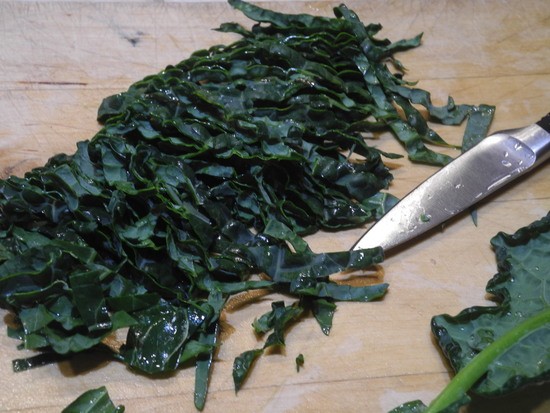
415	406
521	289
499	349
323	311
242	365
300	360
93	401
203	364
277	320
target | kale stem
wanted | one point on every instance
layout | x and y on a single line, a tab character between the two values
478	366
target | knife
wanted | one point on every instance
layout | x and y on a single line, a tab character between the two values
491	164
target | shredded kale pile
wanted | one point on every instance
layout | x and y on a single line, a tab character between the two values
204	176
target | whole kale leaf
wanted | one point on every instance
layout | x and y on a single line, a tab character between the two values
497	350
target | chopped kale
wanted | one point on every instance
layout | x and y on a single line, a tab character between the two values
205	175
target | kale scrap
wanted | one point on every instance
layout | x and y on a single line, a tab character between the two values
204	176
94	400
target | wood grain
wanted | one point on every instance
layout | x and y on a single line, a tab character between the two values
59	59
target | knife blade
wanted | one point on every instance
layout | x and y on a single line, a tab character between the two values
493	163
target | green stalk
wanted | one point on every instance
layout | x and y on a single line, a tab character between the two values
478	366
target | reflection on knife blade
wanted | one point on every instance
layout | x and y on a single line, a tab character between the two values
488	166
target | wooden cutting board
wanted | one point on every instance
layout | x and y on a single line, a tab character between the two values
59	59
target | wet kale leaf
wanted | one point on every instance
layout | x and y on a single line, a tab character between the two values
93	401
497	350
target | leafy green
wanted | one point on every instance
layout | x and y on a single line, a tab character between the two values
299	361
202	177
323	311
415	406
93	401
242	365
521	288
203	365
499	349
163	323
346	52
277	319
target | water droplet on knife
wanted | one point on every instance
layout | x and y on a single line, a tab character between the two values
425	217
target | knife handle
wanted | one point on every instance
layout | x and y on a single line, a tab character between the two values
537	139
544	123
